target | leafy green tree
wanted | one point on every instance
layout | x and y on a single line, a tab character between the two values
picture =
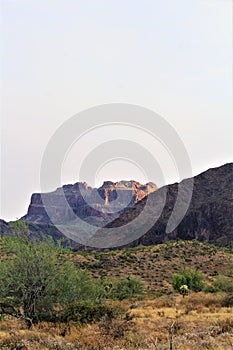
178	281
37	281
192	279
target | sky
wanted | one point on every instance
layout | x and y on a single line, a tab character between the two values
61	57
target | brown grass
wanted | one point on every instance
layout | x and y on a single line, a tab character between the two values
198	322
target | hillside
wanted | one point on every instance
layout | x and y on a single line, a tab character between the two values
155	265
209	217
199	321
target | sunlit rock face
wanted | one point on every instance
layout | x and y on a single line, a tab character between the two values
96	205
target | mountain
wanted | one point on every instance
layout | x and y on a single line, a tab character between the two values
96	205
37	231
208	218
5	228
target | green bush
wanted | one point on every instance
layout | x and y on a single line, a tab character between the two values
192	279
210	289
127	288
86	311
224	284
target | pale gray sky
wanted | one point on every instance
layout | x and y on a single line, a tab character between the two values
60	57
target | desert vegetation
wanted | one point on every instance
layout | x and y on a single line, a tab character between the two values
177	295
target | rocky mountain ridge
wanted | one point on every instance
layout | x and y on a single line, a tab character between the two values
97	205
209	216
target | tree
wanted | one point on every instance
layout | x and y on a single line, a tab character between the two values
192	279
36	281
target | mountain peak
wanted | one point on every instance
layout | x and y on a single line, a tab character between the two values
85	202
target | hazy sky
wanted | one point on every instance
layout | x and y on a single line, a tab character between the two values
60	57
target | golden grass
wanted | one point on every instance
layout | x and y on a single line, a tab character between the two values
198	322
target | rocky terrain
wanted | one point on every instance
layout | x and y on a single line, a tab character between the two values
90	204
209	216
97	206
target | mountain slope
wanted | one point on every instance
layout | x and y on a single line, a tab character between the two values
209	217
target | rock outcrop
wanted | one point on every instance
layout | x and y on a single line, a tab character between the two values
99	206
208	218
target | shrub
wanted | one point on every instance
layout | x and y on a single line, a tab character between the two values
199	300
210	289
227	301
127	288
192	279
85	311
224	284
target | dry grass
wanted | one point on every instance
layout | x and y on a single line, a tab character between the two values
198	322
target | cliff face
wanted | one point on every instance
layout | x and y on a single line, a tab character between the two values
209	217
99	206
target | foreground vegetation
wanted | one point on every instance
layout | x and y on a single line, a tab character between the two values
198	321
39	283
177	295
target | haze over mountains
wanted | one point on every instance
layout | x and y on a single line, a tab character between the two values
209	216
